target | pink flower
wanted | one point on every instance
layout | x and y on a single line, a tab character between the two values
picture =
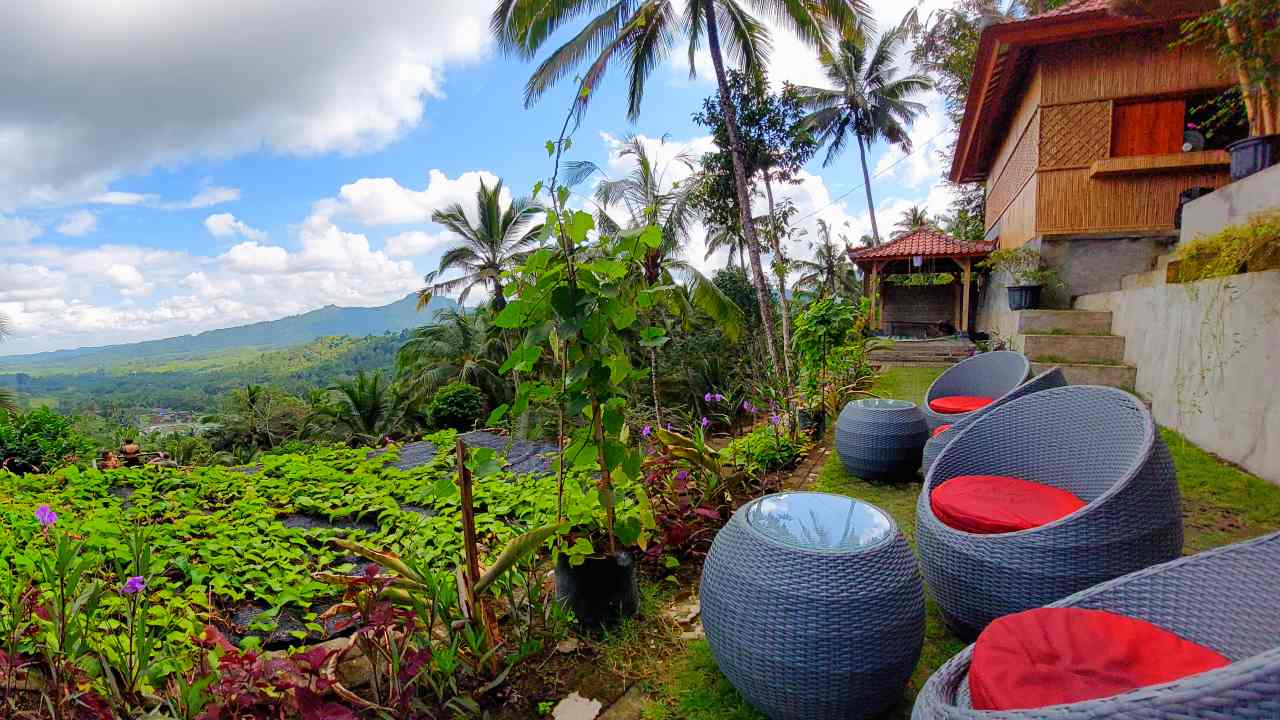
134	585
45	516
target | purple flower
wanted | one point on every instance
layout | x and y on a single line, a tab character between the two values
775	419
46	516
705	421
134	585
706	398
748	407
682	476
646	431
718	397
668	427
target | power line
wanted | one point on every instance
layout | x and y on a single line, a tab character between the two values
859	186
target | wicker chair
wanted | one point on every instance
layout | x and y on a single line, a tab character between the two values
1097	442
1224	599
987	374
1048	379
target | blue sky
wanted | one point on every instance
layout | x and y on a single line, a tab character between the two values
173	167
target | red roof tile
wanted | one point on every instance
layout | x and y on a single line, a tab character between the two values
926	242
1078	7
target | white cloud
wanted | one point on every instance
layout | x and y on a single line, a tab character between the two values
211	80
226	225
116	197
383	201
25	282
210	196
18	230
78	224
250	257
414	243
127	279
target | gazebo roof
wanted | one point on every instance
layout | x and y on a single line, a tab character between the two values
925	242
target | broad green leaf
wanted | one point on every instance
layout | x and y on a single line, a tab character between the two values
498	413
619	368
579	224
651	237
517	548
513	315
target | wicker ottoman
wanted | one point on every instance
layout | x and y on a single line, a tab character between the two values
881	440
813	606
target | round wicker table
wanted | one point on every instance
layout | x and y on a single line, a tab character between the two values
881	440
813	606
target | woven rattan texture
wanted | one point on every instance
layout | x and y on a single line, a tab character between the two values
1226	599
811	635
1099	443
987	374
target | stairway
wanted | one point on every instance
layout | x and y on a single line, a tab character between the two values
1078	341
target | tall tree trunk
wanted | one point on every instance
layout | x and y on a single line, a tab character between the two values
653	385
866	184
742	262
779	269
740	184
499	302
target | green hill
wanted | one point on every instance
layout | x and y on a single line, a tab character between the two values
285	332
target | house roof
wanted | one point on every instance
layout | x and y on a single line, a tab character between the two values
1002	63
925	242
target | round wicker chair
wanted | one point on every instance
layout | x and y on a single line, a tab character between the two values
1048	379
1224	599
989	374
1097	442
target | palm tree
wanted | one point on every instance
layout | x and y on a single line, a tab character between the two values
868	102
723	237
459	346
488	248
8	399
830	270
642	33
912	219
366	407
647	197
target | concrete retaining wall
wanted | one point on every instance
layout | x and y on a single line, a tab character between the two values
1208	358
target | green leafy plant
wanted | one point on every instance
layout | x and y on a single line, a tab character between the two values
39	441
457	406
1245	34
1024	264
766	449
1253	246
921	279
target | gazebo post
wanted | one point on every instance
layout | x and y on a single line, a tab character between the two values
875	296
967	264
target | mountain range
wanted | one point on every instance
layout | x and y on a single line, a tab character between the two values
330	320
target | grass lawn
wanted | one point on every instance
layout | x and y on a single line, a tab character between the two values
1221	505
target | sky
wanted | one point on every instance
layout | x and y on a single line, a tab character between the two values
175	166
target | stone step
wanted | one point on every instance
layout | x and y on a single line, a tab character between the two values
1124	377
1073	322
1074	348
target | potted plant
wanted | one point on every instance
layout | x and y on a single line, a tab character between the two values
1028	272
1243	34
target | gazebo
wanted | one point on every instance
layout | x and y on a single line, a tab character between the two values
921	284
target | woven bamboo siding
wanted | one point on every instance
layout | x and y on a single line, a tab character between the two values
1018	156
1108	68
1018	224
1073	136
1070	202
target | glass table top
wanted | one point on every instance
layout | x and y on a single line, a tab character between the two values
880	404
820	521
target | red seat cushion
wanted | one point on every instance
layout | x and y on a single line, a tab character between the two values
989	504
953	404
1052	656
941	429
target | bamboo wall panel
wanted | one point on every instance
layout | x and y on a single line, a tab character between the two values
1020	168
1028	107
1018	224
1073	136
1109	67
1070	202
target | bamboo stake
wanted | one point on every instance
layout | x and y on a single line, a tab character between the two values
1257	122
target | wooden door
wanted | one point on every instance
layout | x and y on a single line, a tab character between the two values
1147	128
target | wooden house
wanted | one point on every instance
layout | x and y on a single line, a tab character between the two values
1086	128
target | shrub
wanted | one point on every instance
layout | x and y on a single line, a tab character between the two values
457	406
1253	246
40	441
766	449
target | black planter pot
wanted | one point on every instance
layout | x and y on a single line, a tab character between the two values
1253	155
600	591
1024	297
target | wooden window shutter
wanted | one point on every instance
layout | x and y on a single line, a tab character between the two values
1147	128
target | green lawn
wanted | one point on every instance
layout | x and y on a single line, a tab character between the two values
1221	504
